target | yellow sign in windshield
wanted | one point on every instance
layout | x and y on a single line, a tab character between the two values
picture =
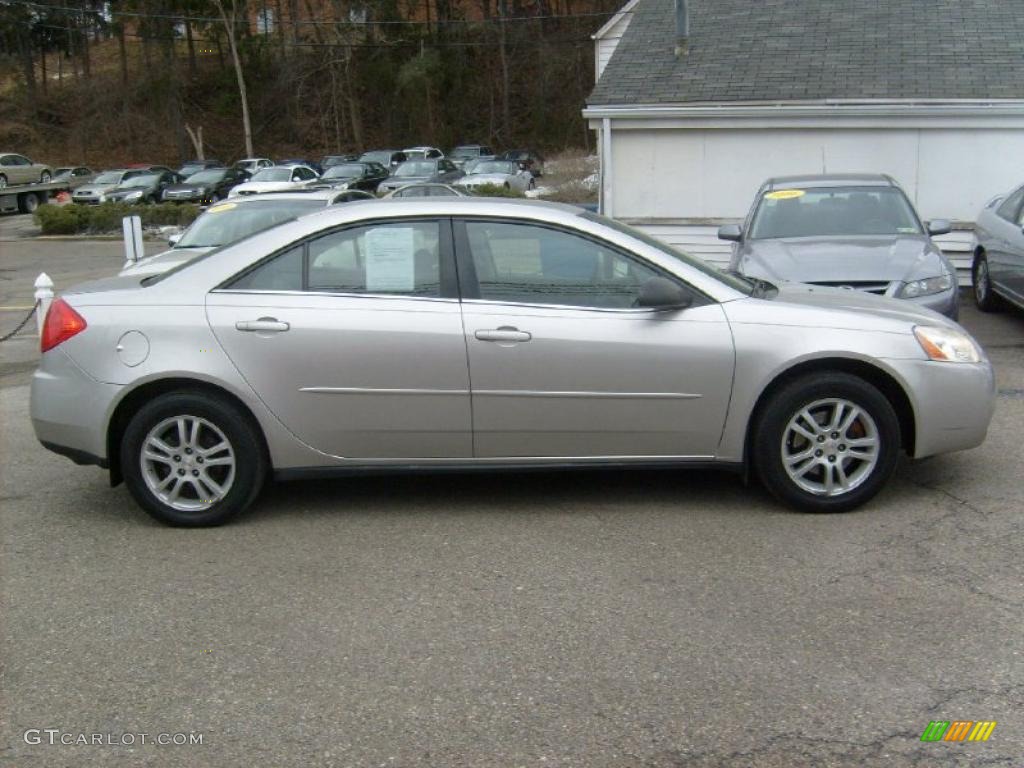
221	208
785	194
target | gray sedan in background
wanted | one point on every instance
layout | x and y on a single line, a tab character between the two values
857	232
998	268
439	171
470	333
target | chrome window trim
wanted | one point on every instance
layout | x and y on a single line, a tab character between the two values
579	308
393	296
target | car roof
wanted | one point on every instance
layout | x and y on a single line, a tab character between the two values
452	206
830	180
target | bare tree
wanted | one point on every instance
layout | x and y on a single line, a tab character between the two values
229	21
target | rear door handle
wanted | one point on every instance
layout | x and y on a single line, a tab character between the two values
503	334
264	324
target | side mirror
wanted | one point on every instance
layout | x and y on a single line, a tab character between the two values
731	232
662	293
939	227
173	240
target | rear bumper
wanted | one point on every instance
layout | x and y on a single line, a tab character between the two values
69	409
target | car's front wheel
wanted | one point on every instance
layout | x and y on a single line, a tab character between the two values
192	459
986	300
827	442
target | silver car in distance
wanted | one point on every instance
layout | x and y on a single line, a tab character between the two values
458	333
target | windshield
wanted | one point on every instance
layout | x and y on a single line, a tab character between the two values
465	151
109	177
147	180
62	172
733	281
833	212
273	174
346	170
382	157
416	168
494	166
227	222
205	177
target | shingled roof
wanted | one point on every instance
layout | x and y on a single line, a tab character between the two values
811	50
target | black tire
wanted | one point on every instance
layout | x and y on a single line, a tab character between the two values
28	202
237	427
45	177
984	297
3	181
772	429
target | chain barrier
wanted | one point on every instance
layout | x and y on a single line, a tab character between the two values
22	324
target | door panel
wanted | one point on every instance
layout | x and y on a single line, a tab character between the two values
356	377
354	340
596	383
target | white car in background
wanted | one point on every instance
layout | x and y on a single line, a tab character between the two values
279	178
423	153
253	165
498	173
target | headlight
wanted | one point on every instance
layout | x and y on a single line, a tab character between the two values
947	345
133	195
926	287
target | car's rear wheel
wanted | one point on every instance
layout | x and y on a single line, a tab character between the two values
44	177
3	181
984	297
828	442
192	459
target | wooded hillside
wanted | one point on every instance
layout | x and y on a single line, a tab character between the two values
124	81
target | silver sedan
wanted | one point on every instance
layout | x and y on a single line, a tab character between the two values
461	333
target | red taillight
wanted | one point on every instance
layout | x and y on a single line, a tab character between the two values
62	322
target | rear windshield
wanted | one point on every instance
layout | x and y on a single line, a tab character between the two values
229	222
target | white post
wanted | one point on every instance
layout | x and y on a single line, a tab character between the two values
607	176
44	295
133	247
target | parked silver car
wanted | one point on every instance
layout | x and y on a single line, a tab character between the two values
18	169
998	268
498	173
855	231
457	333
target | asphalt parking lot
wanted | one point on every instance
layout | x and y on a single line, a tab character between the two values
602	619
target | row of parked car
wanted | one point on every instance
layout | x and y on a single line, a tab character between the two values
206	181
861	232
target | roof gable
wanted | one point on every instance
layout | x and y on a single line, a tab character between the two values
812	50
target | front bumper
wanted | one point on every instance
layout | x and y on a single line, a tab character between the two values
953	403
69	409
946	303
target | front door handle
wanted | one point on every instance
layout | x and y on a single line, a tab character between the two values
264	324
505	333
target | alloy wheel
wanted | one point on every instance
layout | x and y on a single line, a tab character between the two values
830	447
188	463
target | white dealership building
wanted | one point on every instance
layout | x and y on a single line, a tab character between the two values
697	102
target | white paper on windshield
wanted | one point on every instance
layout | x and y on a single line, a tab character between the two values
390	259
